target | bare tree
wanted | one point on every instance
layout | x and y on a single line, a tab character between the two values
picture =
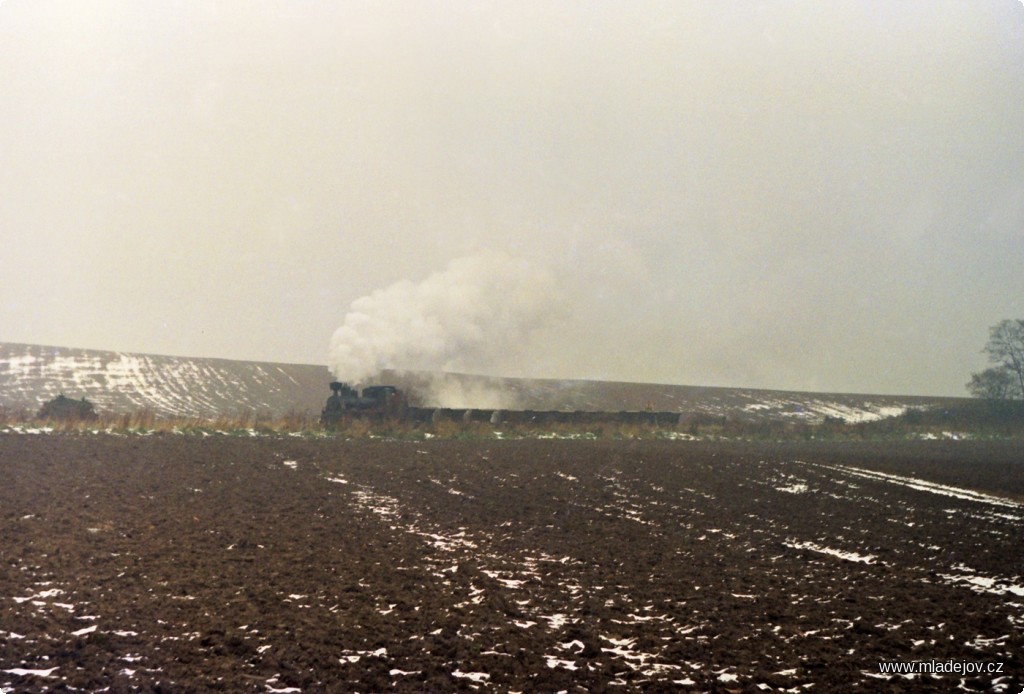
992	384
1005	349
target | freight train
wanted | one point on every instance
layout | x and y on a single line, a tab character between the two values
388	402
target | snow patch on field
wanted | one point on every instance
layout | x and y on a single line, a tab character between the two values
994	585
811	408
471	676
25	672
795	488
924	486
847	556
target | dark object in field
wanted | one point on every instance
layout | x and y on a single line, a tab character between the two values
65	408
375	400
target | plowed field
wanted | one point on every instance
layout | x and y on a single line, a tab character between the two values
171	563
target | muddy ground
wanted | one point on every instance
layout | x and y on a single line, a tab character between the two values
172	563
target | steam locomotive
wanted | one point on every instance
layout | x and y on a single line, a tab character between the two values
383	401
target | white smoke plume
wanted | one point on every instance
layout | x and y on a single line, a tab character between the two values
445	390
475	316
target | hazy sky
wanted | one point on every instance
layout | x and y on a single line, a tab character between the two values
800	194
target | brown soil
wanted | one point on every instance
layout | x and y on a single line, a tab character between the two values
172	563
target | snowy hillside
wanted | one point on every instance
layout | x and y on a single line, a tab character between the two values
179	386
123	382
